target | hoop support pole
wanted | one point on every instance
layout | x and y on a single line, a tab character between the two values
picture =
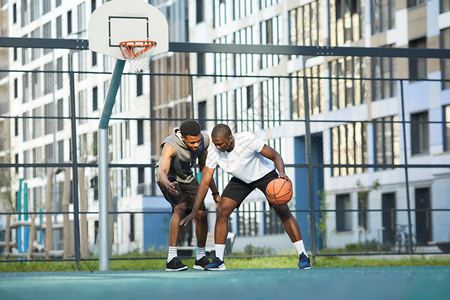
103	165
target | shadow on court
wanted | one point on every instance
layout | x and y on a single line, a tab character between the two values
316	283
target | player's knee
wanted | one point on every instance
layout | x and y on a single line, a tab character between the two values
180	210
223	212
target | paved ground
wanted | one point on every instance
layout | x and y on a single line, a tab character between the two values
317	283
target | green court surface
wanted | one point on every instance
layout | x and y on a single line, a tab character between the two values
316	283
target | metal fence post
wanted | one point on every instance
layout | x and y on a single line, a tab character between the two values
73	120
312	211
405	152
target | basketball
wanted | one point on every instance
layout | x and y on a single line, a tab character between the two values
279	191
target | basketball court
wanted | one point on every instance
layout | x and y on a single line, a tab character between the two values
316	283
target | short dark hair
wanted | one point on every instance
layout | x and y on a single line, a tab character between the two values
190	127
221	130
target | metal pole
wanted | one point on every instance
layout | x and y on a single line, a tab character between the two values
76	209
405	152
103	165
308	153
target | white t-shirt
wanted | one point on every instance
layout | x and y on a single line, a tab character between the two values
244	161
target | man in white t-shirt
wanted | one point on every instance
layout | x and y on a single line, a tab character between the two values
252	164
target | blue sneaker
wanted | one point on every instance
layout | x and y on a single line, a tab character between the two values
304	262
216	265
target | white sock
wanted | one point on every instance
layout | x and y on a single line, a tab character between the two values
300	247
172	253
220	249
200	253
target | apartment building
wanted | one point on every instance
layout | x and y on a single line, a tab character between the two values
366	113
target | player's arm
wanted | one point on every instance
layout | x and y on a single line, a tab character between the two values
164	166
274	156
212	184
207	175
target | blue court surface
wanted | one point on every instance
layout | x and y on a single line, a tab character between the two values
316	283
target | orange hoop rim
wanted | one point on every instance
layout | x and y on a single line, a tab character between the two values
128	48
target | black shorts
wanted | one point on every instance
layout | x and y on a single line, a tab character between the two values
238	190
186	193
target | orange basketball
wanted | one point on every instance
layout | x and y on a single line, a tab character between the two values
279	191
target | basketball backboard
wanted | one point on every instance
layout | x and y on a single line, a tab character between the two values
127	20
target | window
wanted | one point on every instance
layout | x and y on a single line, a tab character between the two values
202	114
60	151
94	58
242	8
200	12
386	142
59	75
16	88
34	10
382	15
382	68
35	84
418	66
94	98
48	153
346	89
139	85
48	78
25	88
267	3
419	133
14	9
46	6
24	12
59	27
69	22
36	123
446	125
412	3
141	175
82	107
47	33
81	18
16	161
270	34
36	52
304	25
200	63
445	63
131	236
60	109
15	54
58	3
250	96
220	13
94	143
316	96
346	21
93	5
244	64
48	122
343	218
140	132
16	126
444	6
349	147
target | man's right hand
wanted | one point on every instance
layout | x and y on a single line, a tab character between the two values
172	187
190	217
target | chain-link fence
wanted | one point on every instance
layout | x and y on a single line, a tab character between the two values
368	153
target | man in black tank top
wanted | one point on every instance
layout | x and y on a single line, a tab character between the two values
179	186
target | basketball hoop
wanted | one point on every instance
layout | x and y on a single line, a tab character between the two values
137	53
